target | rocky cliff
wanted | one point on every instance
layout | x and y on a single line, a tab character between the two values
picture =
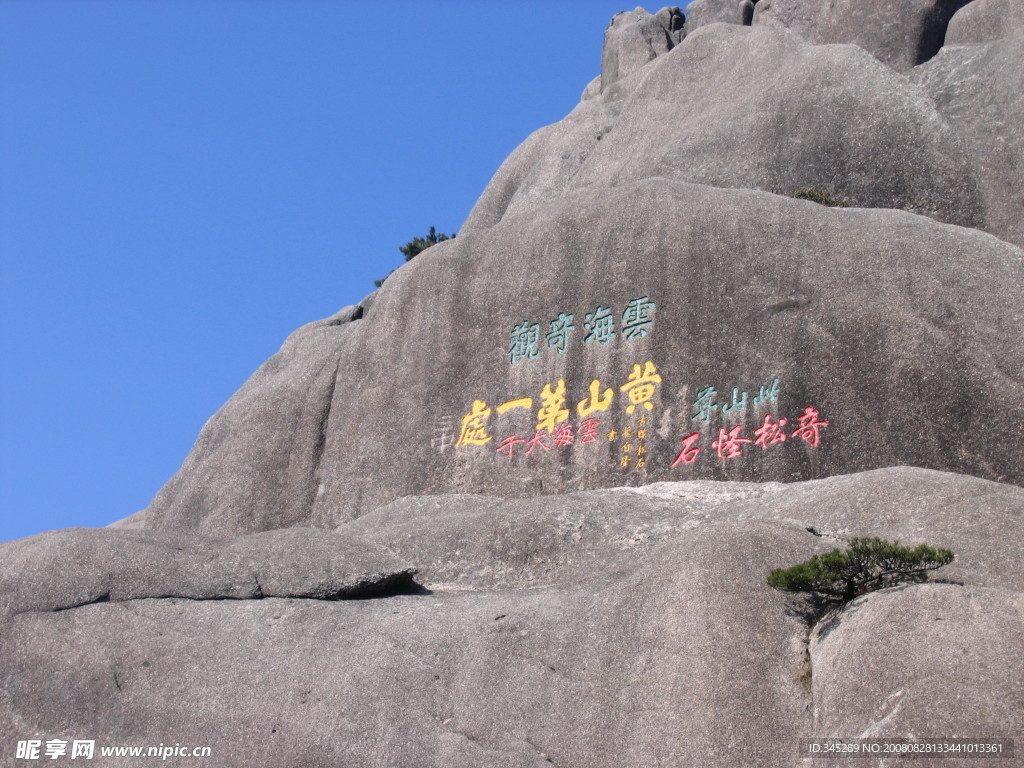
761	291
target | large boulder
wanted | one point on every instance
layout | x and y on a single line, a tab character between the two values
642	376
889	326
758	108
634	38
883	324
985	21
900	33
60	570
977	88
919	660
703	12
618	627
281	411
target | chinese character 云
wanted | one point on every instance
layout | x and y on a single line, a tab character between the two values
728	445
641	386
810	427
636	318
587	431
552	411
558	336
523	342
600	325
474	425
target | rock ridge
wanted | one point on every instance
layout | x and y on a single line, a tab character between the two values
113	566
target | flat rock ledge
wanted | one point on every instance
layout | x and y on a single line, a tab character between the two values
616	627
59	570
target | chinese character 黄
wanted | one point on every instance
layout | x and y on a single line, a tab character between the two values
641	386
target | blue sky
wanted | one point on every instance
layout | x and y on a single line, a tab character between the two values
182	184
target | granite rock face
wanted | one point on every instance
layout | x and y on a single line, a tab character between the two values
890	327
634	38
282	411
645	374
975	86
639	239
60	570
985	21
619	627
704	12
879	670
900	33
758	108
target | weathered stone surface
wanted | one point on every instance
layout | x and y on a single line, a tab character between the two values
59	570
484	542
978	90
281	411
901	33
824	118
893	327
634	38
592	90
882	321
619	627
704	12
798	16
928	660
441	424
985	21
542	169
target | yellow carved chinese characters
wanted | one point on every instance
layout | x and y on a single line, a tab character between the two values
597	402
641	386
522	402
552	410
474	425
